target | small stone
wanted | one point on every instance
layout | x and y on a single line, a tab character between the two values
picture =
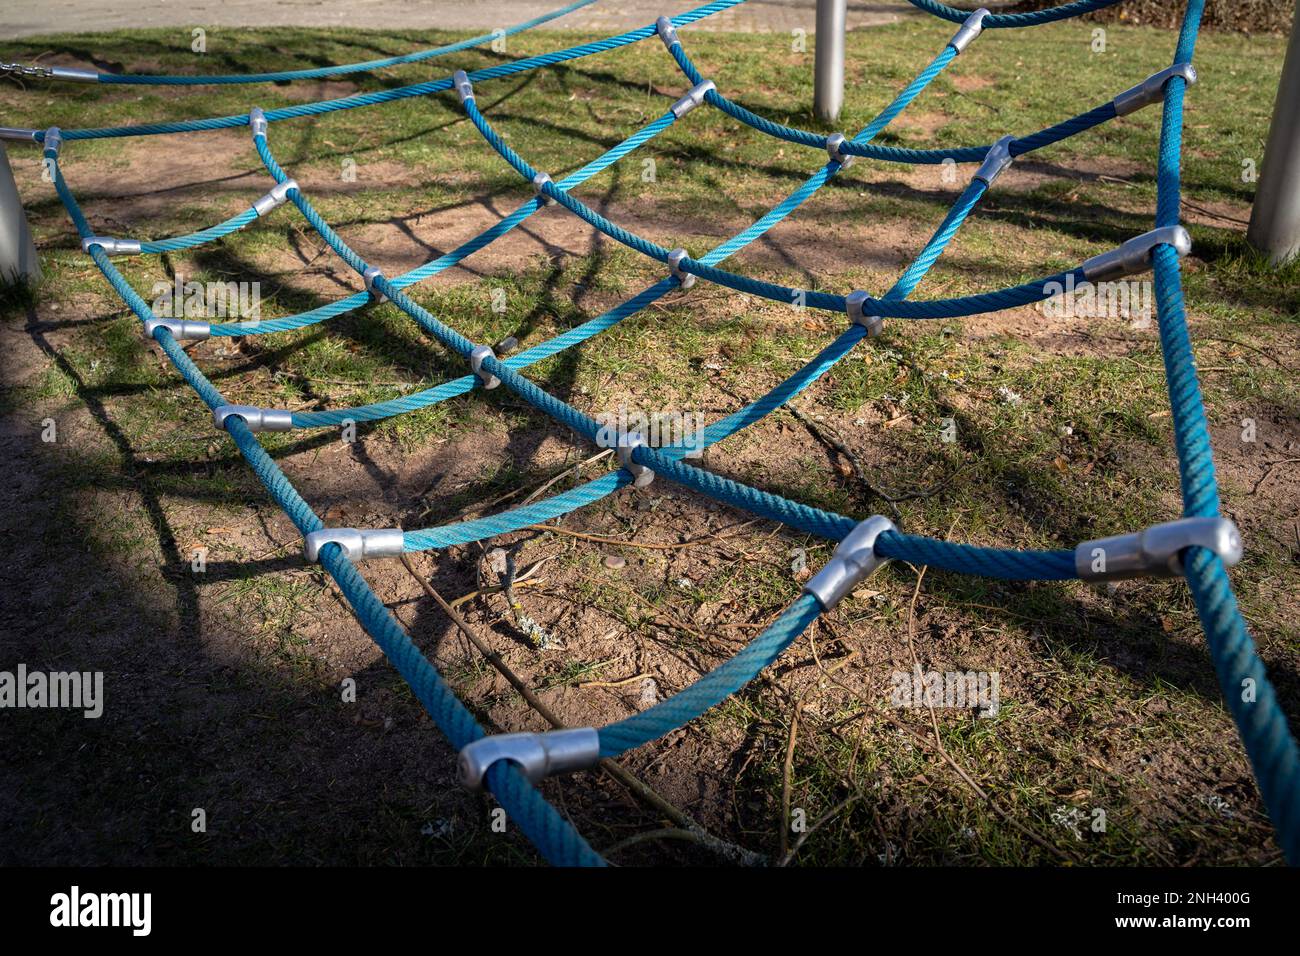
615	562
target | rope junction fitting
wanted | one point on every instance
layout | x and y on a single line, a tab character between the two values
1152	89
693	98
853	561
372	275
1156	551
278	196
997	159
257	419
626	444
357	543
1134	256
464	88
476	358
538	755
969	30
540	182
855	305
112	247
1264	729
834	148
685	279
180	329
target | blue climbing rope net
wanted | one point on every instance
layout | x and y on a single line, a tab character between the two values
1258	715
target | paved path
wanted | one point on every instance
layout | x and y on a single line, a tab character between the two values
30	17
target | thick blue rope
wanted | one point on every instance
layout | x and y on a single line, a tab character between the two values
893	154
1032	19
398	93
554	836
1246	688
140	79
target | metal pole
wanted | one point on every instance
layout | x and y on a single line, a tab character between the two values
828	76
17	252
1275	218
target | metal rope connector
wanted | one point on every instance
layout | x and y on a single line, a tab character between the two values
73	75
684	278
667	32
357	543
278	196
538	756
539	184
627	443
693	98
1134	256
179	328
464	88
257	419
257	124
996	159
53	140
1152	88
835	149
476	358
854	305
853	561
113	247
371	274
18	133
1157	551
972	27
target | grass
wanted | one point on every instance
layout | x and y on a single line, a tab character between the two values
1055	441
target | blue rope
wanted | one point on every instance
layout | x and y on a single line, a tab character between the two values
1249	694
1258	715
140	79
398	93
1034	18
554	836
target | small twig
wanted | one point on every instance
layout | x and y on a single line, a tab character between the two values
614	683
649	545
1269	470
632	783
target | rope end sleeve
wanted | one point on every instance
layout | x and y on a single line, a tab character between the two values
1156	551
667	32
257	122
855	306
257	419
853	561
1152	89
464	88
73	75
1134	256
970	29
357	543
537	755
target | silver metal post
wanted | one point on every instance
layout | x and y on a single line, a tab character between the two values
17	251
828	76
1275	218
